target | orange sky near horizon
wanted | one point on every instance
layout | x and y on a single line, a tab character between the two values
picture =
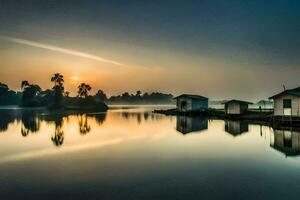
178	74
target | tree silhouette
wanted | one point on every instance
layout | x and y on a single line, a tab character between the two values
58	79
67	94
58	88
83	90
7	96
3	88
138	93
138	97
30	91
100	96
24	84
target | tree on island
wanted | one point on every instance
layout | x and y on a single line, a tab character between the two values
7	96
56	97
83	90
58	88
100	96
67	93
139	98
3	88
29	93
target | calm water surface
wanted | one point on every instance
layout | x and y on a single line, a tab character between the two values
131	153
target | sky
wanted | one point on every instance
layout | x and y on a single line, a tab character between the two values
219	49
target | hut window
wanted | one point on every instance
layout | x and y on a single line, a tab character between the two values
287	103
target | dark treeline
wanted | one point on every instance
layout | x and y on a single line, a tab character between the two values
32	95
139	98
9	97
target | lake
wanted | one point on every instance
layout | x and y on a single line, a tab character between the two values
132	153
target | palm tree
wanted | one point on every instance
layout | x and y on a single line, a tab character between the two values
58	88
24	84
58	79
67	93
83	90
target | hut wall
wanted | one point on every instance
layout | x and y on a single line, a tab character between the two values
278	105
243	108
198	104
191	104
233	108
188	104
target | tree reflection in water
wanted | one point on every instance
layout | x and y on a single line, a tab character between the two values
6	117
84	127
30	123
58	137
100	118
140	117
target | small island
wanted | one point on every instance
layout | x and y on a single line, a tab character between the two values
32	96
57	99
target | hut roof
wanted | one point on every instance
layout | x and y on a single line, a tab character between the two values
237	101
192	96
295	92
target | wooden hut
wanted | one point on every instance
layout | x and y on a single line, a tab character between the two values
287	103
236	107
191	103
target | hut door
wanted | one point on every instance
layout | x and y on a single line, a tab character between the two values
183	105
287	106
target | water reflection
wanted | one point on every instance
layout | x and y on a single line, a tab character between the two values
100	117
84	126
141	117
30	123
131	151
236	128
58	137
6	117
286	141
187	124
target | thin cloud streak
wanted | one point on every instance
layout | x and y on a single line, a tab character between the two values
59	49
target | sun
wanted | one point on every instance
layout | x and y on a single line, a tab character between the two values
74	78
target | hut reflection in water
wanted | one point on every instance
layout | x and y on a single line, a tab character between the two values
187	124
236	128
286	141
